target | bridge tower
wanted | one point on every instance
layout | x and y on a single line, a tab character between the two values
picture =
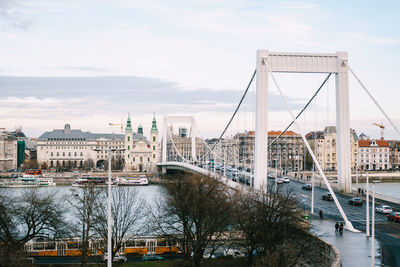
303	63
177	119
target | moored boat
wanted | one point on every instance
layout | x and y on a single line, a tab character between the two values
132	181
85	180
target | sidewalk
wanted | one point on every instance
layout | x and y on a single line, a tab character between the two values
354	248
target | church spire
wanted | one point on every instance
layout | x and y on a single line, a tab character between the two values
154	125
128	128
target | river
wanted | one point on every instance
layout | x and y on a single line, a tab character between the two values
148	193
386	189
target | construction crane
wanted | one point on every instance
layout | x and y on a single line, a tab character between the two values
382	128
118	124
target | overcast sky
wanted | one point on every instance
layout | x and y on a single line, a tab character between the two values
90	62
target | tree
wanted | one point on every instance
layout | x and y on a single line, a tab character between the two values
126	210
83	201
44	166
29	215
271	222
31	164
198	208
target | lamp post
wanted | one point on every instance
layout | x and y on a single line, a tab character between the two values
109	199
373	224
367	210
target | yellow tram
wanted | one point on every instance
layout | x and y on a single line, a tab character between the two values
136	246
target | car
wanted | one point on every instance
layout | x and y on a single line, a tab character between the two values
151	257
279	180
306	187
286	179
356	201
270	176
384	209
394	216
327	196
119	257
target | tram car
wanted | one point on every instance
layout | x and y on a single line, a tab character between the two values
72	247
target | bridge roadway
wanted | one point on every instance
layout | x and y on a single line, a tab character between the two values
388	233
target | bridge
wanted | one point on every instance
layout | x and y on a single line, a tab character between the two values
249	171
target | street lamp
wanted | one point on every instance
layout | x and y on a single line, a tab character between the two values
373	224
109	150
367	210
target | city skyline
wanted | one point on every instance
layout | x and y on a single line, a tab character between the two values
193	58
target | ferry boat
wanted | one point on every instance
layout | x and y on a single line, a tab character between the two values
97	181
45	181
21	182
132	181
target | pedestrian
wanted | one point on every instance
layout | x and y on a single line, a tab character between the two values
321	215
341	228
337	227
359	192
362	192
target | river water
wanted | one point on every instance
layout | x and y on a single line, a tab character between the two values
148	193
386	189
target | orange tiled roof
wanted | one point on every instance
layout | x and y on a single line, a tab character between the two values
276	133
367	143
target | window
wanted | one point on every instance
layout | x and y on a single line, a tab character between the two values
58	154
81	154
154	156
129	147
154	148
69	154
51	153
154	138
75	154
141	159
63	154
129	156
129	138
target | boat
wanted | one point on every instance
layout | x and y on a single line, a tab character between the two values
132	181
48	182
86	179
21	182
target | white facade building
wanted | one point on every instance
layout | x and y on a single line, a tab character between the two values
75	148
141	154
8	151
374	155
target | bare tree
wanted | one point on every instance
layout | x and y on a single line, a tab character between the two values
83	201
44	166
127	210
196	207
271	221
24	217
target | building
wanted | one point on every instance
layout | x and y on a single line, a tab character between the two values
141	154
323	145
374	155
394	155
73	148
8	151
286	152
225	152
179	147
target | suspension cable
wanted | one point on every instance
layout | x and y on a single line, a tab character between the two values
304	108
234	113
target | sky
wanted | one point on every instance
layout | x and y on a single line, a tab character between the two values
90	62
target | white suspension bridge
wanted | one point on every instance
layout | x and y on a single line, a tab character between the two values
267	64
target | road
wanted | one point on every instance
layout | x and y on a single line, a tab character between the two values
387	233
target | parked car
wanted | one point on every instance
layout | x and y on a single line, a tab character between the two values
151	257
279	180
306	187
384	209
356	201
119	257
327	196
394	216
286	179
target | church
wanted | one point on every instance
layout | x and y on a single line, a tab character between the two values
141	154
